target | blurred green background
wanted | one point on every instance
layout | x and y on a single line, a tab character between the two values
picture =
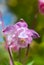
28	10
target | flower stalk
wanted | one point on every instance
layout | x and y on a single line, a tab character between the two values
27	51
19	55
1	22
10	56
26	55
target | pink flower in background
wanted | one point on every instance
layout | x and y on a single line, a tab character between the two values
19	36
41	6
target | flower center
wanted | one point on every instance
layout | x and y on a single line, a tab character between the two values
22	40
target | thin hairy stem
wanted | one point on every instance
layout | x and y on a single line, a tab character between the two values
19	55
26	55
27	50
10	56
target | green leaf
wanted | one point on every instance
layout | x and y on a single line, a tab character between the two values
31	63
17	63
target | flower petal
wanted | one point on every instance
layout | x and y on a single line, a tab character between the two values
8	29
35	34
22	23
22	35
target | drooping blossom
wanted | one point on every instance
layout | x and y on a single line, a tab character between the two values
10	32
25	37
19	36
41	6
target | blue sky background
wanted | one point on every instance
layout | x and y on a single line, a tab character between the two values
9	18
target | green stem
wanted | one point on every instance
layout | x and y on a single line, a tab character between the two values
26	56
19	54
10	56
27	50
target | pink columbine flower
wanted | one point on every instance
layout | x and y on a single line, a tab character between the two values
25	37
19	36
41	6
